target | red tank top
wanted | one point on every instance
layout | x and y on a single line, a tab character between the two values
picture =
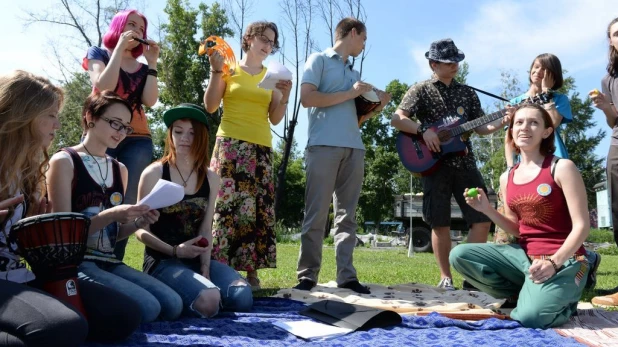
540	205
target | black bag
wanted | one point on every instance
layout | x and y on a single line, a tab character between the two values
350	316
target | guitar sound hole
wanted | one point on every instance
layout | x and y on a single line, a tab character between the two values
444	136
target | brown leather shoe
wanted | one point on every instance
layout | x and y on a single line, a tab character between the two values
606	301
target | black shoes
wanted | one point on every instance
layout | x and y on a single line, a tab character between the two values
592	274
305	284
355	286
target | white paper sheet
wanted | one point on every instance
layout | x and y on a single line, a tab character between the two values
274	72
164	194
312	331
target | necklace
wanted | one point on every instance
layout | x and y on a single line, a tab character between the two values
184	182
103	185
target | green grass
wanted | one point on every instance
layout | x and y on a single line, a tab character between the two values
381	266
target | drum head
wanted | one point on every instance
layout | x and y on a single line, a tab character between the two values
47	217
371	96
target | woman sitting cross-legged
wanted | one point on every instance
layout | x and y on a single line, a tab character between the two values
546	207
172	253
84	179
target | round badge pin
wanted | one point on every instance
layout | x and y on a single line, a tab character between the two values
115	199
460	110
543	189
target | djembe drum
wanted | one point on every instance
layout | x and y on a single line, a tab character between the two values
215	43
366	103
54	244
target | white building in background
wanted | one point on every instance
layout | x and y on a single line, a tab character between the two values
604	210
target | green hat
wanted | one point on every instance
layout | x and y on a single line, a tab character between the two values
185	110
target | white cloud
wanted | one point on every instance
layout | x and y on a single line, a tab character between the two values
508	35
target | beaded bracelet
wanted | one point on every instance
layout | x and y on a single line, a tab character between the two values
553	263
174	251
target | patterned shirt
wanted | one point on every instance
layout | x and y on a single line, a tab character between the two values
432	101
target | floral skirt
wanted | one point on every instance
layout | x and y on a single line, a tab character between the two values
243	225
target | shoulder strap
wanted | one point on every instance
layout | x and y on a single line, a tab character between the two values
488	93
554	161
166	172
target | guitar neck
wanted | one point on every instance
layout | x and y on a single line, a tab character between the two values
471	125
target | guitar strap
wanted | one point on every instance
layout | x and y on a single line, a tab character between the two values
488	93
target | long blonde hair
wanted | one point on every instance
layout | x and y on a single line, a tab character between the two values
24	97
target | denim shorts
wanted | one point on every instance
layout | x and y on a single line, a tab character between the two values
187	281
440	186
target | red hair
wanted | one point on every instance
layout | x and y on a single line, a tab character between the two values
199	149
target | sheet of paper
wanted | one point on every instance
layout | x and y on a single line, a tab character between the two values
164	194
310	330
274	72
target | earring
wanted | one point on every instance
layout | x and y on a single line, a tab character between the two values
90	124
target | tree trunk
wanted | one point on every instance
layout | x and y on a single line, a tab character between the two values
280	189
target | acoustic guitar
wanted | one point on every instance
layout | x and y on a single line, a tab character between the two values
418	159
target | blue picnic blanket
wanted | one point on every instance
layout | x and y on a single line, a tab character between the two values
255	329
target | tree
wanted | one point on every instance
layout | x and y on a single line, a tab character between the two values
182	71
290	213
238	11
298	18
384	174
581	146
489	149
76	90
85	22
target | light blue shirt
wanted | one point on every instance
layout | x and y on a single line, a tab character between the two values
335	125
563	106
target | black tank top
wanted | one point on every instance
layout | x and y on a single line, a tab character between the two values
87	197
178	223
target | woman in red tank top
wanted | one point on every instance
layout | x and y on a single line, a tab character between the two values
546	207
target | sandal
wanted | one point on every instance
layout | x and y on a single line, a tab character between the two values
254	282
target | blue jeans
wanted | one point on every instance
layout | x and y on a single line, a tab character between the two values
186	280
135	152
154	298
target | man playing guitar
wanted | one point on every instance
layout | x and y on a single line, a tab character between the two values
441	98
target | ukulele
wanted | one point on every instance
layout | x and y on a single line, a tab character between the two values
418	159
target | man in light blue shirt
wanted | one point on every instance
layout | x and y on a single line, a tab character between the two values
335	154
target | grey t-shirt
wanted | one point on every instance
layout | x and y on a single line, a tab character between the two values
335	125
609	86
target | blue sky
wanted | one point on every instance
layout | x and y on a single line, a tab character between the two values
494	35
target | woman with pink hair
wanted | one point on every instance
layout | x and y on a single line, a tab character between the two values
115	67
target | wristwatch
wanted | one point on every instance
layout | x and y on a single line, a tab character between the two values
421	129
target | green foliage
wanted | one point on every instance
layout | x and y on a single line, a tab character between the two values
384	174
489	149
290	212
182	72
76	91
462	73
600	236
611	250
581	144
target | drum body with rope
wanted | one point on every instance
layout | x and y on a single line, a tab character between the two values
54	245
366	103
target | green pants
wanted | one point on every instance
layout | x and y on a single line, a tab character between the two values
502	272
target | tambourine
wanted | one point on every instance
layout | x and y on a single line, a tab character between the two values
213	43
366	103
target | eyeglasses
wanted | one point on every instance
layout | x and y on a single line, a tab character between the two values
265	40
116	125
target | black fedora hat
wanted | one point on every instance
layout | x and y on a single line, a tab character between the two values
445	51
185	110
